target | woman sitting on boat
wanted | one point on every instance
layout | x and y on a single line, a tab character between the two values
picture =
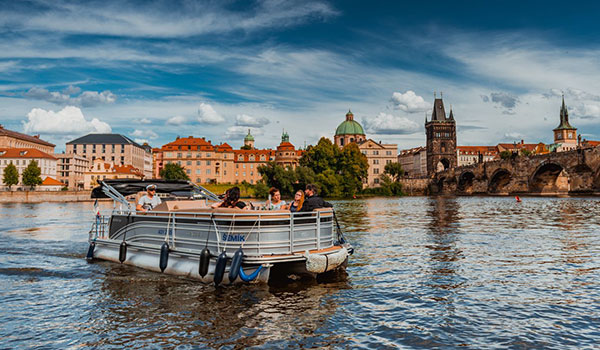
231	200
274	202
297	203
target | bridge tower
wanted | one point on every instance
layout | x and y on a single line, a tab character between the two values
565	136
441	139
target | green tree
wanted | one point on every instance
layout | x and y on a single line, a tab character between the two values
525	152
261	190
11	175
246	147
31	175
274	175
394	170
353	168
173	171
321	157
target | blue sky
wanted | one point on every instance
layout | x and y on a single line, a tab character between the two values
156	70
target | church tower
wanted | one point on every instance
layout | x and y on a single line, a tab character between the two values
565	136
249	140
441	139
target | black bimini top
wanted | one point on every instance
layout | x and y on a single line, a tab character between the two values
127	187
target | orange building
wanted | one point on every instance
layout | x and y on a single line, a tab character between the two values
474	154
13	139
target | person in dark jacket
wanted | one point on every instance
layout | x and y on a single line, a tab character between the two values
312	200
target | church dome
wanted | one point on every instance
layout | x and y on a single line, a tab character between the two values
249	137
349	126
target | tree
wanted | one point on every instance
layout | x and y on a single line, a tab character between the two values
246	147
394	170
31	175
321	157
525	152
353	168
173	171
505	155
274	175
11	175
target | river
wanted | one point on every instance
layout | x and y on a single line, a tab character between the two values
445	272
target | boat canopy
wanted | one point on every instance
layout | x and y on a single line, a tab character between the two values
127	187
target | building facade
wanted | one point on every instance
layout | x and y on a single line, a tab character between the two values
13	139
207	163
71	170
378	156
21	157
102	170
112	148
441	139
468	155
414	162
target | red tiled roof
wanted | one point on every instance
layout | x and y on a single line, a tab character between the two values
411	150
127	169
48	181
286	146
485	150
18	135
24	153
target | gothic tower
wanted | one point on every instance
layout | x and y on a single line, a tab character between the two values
565	136
441	139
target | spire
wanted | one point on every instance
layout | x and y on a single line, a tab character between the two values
425	117
439	113
564	117
451	117
285	137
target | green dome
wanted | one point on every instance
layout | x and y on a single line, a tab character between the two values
349	127
249	137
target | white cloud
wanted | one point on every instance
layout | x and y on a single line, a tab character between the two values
68	121
149	134
247	120
142	121
85	99
387	124
410	102
141	141
176	120
208	115
239	132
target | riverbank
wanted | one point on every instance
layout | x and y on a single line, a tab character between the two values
44	196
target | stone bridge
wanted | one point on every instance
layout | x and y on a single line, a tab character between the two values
563	173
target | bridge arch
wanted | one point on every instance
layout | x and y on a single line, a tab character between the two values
581	179
465	181
499	181
549	178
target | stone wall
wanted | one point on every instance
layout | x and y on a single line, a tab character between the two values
415	186
44	196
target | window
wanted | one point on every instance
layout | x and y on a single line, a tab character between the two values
189	162
198	162
251	166
388	161
179	162
188	171
244	166
375	153
375	161
179	155
375	170
364	152
388	153
208	162
208	155
207	171
189	155
244	174
376	180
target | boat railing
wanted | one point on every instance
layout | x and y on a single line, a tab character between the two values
258	232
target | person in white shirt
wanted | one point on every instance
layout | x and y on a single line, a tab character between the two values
148	201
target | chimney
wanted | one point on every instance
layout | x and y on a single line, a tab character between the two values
522	142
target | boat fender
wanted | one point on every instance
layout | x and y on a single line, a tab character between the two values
236	263
123	252
220	268
204	262
252	276
90	253
164	257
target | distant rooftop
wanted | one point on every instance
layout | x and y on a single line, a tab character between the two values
108	139
18	135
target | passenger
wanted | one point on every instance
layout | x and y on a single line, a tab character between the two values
275	202
297	203
149	201
313	201
231	200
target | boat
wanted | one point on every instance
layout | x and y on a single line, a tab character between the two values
184	236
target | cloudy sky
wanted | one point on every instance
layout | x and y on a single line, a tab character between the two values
157	70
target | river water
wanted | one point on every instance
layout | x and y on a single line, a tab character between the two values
467	272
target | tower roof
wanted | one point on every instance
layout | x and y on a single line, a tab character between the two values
564	118
349	126
439	113
249	137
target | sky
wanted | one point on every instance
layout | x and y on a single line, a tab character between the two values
155	70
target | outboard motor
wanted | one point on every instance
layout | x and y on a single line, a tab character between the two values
220	268
204	262
164	257
236	262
